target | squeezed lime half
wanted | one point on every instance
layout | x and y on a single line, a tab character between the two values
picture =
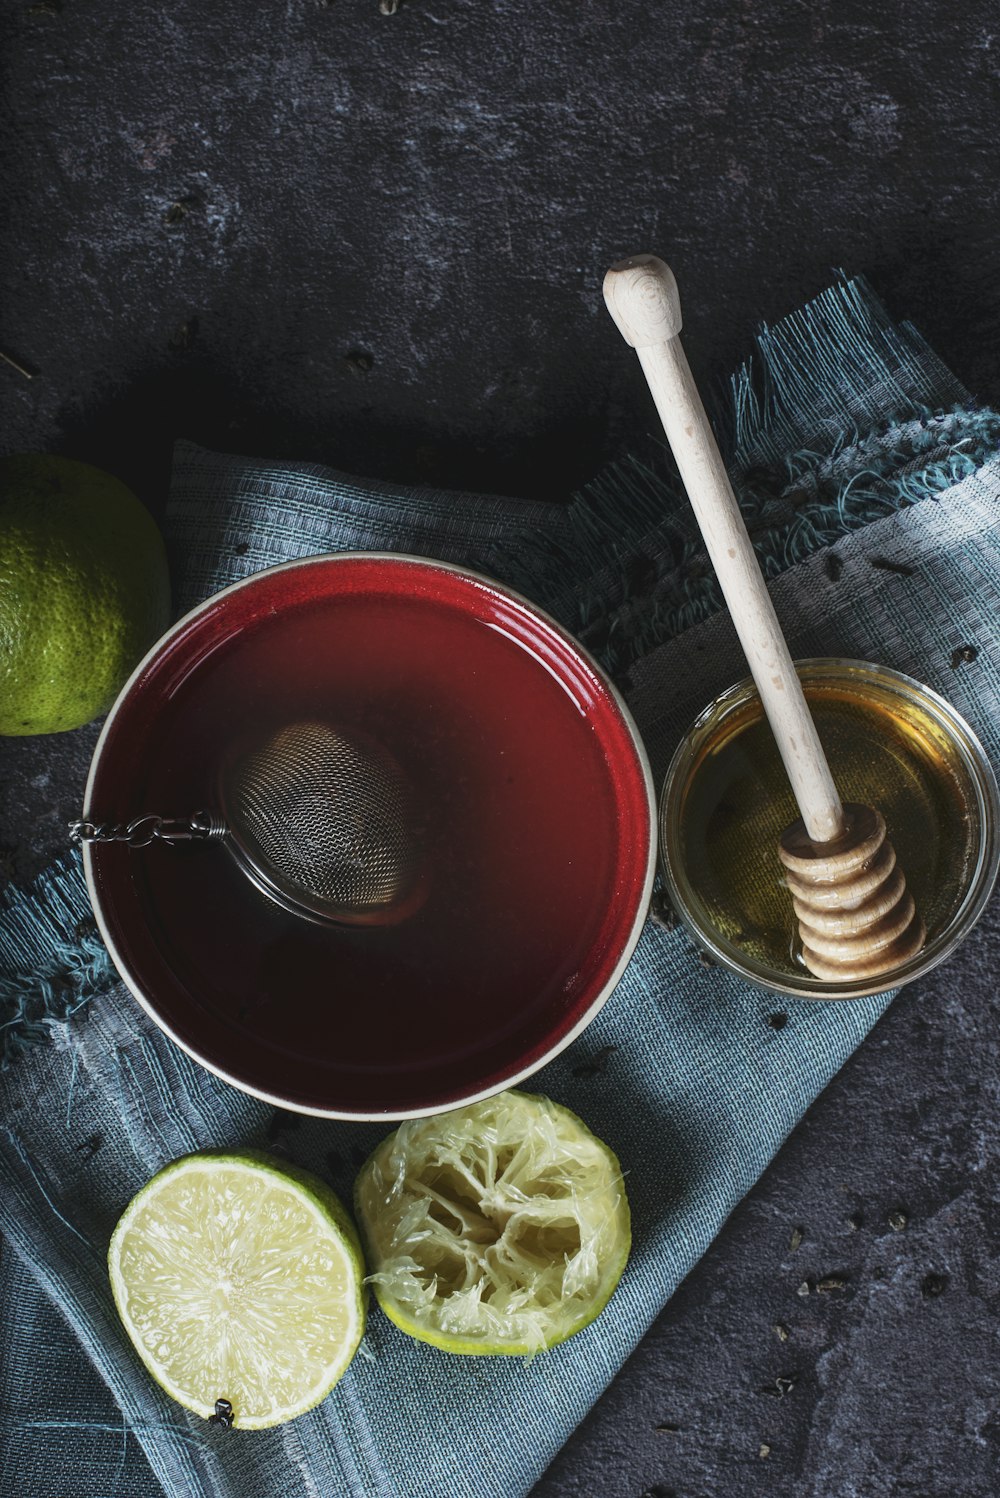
501	1227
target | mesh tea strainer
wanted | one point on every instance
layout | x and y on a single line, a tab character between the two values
324	823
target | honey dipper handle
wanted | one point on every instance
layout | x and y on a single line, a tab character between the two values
641	294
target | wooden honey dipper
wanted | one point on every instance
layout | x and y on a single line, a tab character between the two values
857	920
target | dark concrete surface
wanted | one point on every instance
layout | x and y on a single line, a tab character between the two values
321	230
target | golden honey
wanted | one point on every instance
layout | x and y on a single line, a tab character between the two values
892	744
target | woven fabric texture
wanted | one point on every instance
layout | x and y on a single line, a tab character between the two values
856	438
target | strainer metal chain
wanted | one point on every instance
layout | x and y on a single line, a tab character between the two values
203	826
321	821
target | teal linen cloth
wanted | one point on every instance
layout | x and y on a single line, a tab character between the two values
846	437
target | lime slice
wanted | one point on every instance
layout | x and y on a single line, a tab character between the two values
501	1227
239	1278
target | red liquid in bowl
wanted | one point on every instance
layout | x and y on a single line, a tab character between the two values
538	846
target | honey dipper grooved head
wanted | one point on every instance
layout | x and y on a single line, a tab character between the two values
857	919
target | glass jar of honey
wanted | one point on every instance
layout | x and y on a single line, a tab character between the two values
893	744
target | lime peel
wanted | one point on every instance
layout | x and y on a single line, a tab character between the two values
498	1228
239	1277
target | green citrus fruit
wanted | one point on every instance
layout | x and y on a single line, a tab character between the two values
501	1227
83	591
239	1278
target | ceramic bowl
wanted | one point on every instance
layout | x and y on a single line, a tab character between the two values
538	813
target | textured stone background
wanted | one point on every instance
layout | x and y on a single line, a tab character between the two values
319	230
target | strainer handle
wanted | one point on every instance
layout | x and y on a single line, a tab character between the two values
203	826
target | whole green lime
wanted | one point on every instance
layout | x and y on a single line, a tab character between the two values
84	591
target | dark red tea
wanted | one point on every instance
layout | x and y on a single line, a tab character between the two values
533	851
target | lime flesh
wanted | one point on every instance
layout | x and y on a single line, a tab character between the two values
501	1227
239	1278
